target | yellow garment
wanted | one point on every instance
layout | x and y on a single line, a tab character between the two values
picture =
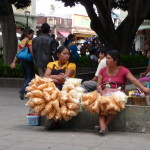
22	43
66	66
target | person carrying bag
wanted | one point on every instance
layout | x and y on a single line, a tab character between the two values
24	54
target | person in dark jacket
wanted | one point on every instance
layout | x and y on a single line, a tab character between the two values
43	49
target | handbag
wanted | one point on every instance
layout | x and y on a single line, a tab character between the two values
24	53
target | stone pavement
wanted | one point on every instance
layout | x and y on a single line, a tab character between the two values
15	134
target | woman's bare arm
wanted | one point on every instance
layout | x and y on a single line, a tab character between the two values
137	83
59	79
69	73
13	64
143	74
99	82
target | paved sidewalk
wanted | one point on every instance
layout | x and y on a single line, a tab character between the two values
15	134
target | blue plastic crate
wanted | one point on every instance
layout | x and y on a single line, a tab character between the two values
33	120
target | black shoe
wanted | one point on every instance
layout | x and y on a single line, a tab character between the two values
21	95
103	132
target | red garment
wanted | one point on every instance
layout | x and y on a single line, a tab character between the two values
119	78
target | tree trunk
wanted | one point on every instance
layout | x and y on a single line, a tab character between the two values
9	34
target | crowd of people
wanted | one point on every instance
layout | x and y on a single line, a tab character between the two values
54	62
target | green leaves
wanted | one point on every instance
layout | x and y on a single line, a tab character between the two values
20	3
5	5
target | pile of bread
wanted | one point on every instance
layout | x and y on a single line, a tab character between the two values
95	103
45	99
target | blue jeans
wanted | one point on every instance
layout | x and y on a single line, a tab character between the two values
28	71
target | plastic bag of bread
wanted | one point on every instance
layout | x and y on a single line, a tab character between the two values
55	104
103	106
91	97
86	103
72	106
29	95
71	83
30	103
33	81
29	89
112	106
38	101
38	93
90	108
120	96
55	94
66	117
42	86
79	89
51	114
58	116
96	106
63	110
61	102
63	95
47	96
48	108
39	108
76	96
71	112
49	90
51	84
39	80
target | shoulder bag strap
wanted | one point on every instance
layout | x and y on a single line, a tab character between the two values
26	44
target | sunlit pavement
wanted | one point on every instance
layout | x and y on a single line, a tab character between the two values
15	134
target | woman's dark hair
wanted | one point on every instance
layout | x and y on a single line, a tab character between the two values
70	37
61	48
25	33
115	55
103	51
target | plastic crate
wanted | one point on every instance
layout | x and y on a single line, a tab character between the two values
33	120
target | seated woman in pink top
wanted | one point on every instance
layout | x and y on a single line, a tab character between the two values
116	75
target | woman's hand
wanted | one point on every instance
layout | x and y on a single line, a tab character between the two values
142	74
12	65
146	90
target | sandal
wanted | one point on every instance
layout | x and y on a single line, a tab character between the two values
103	132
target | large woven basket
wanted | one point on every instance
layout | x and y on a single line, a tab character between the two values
140	101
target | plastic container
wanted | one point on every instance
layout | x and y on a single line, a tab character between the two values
33	120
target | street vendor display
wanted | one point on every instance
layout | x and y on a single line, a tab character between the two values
104	105
47	100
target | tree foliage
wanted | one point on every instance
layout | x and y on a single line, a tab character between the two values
99	11
17	3
8	26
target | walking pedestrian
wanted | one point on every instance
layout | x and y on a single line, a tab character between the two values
27	66
43	49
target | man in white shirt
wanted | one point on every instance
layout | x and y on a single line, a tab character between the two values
91	84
